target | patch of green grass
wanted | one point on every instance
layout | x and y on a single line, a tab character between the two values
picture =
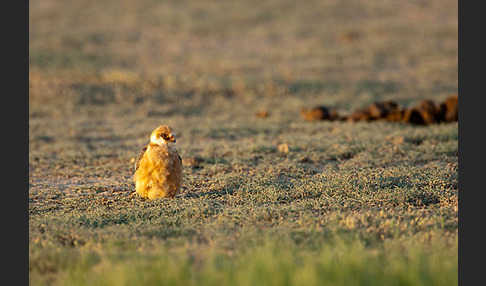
269	262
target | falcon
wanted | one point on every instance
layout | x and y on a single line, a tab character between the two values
158	170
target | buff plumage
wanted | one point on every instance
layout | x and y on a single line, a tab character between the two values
158	171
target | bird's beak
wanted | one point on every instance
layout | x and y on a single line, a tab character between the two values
172	138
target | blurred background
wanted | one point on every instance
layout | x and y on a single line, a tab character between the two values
269	54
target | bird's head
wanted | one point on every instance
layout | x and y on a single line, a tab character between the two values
162	135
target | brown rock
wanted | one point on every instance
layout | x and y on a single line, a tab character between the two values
333	115
430	111
381	109
427	112
319	113
448	110
262	114
388	110
395	116
413	116
360	115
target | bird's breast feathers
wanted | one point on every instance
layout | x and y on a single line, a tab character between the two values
162	155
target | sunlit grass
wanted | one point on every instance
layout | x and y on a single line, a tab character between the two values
334	262
348	204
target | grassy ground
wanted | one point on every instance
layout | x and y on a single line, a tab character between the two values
349	204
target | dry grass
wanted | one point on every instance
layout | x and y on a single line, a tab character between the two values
103	75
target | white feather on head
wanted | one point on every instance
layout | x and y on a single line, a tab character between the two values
162	135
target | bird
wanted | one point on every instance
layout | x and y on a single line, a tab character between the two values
158	169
